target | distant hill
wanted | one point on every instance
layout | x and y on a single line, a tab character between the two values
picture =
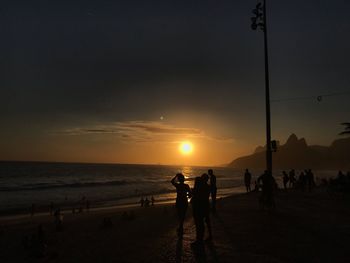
295	153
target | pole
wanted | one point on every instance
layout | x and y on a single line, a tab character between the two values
267	99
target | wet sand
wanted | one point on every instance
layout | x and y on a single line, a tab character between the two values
306	227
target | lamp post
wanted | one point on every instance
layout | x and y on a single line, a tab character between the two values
259	22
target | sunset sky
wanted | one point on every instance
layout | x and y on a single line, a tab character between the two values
128	81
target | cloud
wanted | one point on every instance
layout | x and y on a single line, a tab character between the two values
143	131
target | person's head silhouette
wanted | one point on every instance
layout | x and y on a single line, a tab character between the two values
180	177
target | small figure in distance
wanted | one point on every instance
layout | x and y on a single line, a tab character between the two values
310	179
142	201
58	220
152	200
285	179
247	180
292	178
302	181
213	189
183	192
146	202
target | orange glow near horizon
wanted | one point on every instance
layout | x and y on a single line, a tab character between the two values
186	148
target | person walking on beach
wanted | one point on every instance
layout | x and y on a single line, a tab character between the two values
146	202
285	179
213	189
292	178
310	179
142	201
200	206
183	191
247	180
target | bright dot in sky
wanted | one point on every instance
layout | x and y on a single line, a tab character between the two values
186	148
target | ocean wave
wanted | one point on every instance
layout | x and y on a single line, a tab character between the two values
44	186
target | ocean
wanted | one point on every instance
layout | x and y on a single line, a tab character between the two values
66	184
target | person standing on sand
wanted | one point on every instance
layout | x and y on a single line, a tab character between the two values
285	179
142	201
247	180
268	185
200	206
213	189
292	178
183	191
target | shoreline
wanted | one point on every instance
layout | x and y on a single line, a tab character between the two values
131	202
25	215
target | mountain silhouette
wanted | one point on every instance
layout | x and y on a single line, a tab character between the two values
296	153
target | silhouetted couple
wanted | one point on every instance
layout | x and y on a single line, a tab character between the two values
200	203
247	180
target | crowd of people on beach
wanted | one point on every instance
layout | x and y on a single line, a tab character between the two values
306	179
199	195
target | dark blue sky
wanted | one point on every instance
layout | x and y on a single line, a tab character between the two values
69	64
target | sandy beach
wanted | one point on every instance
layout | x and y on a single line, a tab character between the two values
306	227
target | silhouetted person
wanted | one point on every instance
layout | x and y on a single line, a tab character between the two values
341	177
58	220
213	189
206	205
310	179
183	191
142	202
268	185
247	180
146	202
285	179
292	179
200	205
302	181
37	243
152	200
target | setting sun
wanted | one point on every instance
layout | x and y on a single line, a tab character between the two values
186	148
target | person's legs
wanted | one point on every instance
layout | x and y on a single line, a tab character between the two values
213	200
181	211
